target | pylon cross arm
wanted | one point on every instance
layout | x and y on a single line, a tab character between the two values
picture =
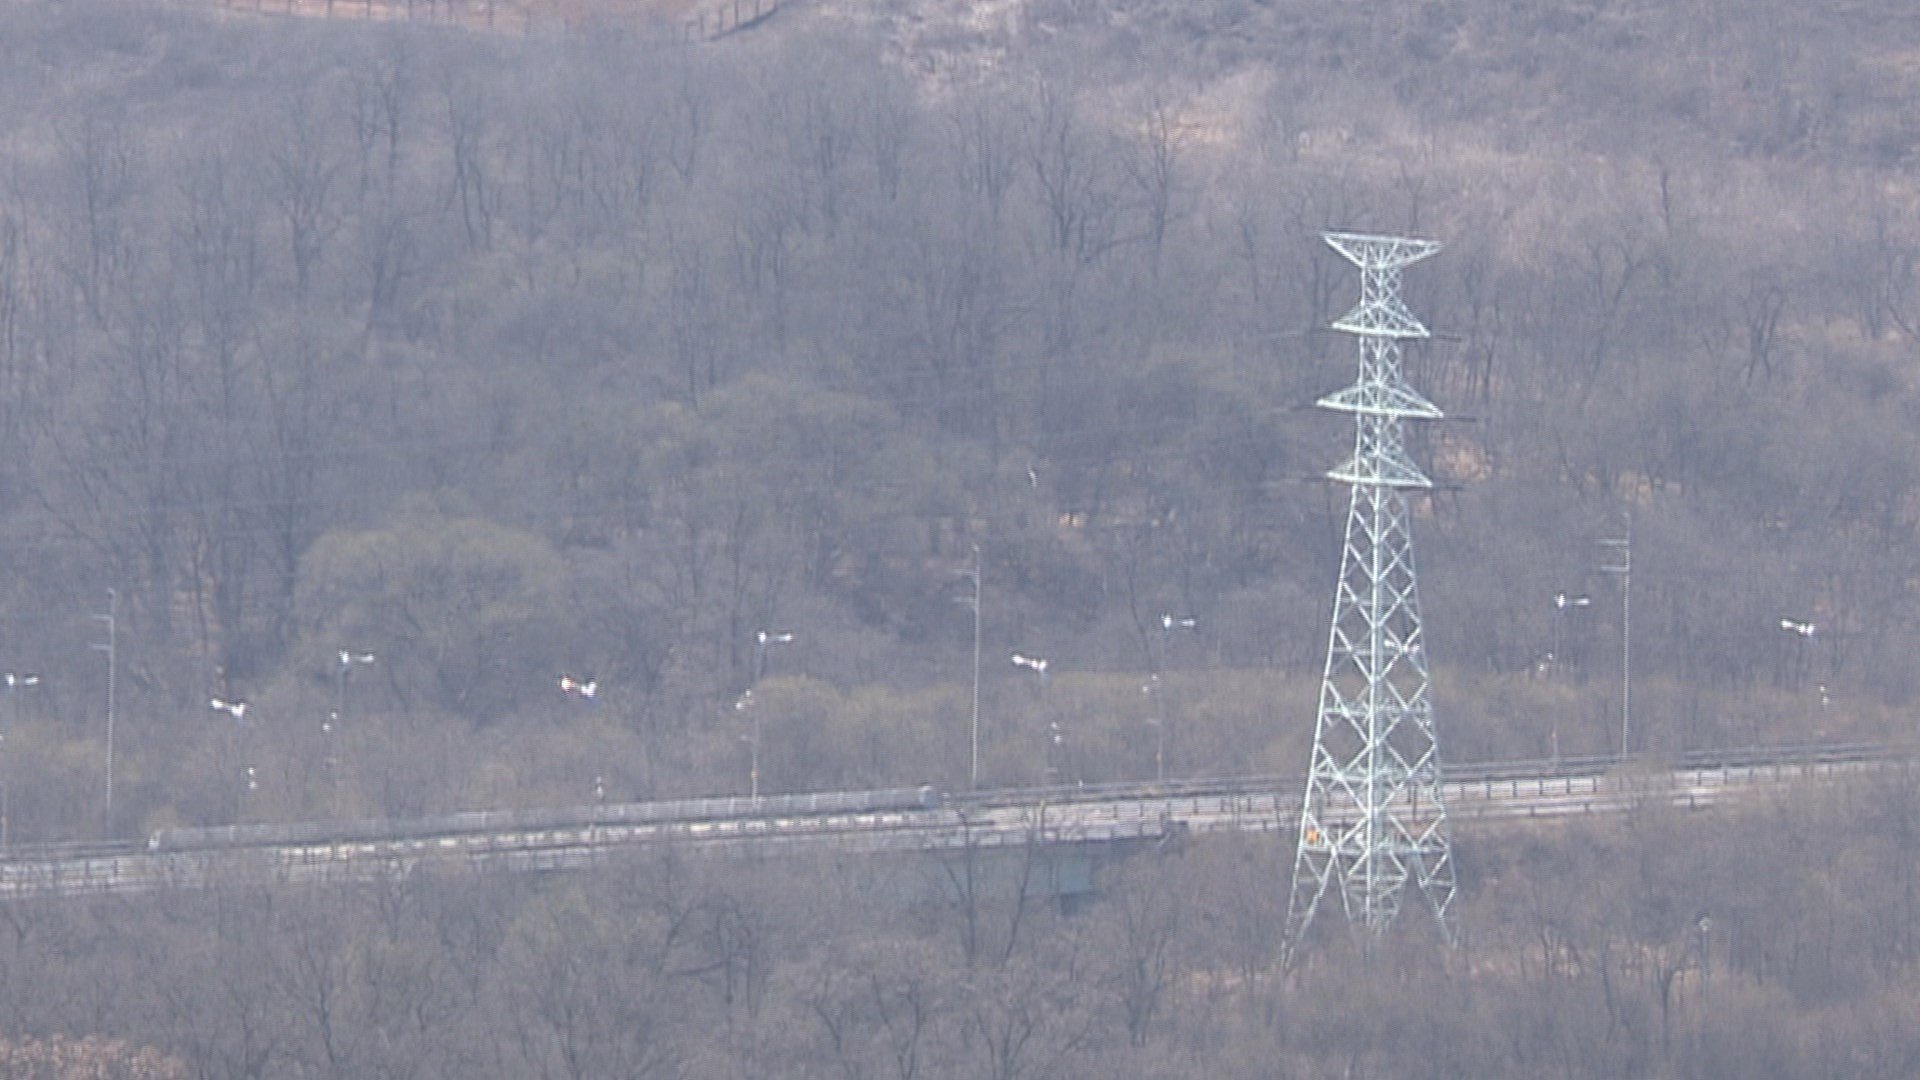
1370	252
1383	317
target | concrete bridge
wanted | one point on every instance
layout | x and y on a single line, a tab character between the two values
1057	836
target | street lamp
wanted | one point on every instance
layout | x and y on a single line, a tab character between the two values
761	640
745	705
344	661
1803	630
109	647
249	787
1623	547
249	775
1561	603
1038	665
1169	624
599	811
1159	726
1035	664
15	682
973	729
346	658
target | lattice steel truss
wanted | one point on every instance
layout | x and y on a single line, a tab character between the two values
1374	819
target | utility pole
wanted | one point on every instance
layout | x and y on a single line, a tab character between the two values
1373	820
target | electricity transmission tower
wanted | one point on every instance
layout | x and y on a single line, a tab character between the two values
1373	820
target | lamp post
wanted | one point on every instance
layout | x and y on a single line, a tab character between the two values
1803	631
1623	547
599	811
973	728
236	711
249	787
745	705
1038	665
1158	722
249	774
110	648
1171	624
761	640
1035	664
1561	603
1703	931
344	661
15	682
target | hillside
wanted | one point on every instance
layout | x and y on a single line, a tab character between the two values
398	378
600	350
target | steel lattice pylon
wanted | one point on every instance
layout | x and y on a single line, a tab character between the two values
1373	819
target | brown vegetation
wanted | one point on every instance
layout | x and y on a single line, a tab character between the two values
1770	943
503	356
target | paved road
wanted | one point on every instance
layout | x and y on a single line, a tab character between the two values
1485	797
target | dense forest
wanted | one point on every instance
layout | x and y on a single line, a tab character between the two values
377	375
595	351
1600	952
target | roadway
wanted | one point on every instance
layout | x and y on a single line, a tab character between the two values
1477	796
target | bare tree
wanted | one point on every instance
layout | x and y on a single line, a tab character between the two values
302	170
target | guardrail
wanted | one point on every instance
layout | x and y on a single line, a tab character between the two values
1471	773
1094	812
